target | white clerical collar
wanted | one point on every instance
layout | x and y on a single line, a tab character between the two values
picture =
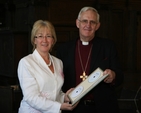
85	43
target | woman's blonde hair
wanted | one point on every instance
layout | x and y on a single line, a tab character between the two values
42	24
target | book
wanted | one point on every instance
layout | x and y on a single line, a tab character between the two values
85	86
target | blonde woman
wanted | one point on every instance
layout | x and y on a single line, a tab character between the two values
41	74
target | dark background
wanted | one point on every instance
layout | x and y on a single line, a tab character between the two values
120	21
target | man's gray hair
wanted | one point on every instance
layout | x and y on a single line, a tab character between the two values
86	9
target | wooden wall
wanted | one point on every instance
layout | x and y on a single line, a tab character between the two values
120	21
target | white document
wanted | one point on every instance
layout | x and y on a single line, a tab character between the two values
85	86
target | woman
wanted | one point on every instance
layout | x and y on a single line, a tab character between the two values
41	74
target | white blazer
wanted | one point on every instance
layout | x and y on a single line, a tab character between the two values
40	87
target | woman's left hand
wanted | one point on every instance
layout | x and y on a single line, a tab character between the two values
66	99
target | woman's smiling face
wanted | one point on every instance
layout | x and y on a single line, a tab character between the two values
44	40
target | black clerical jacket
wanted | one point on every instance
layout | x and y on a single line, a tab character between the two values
104	55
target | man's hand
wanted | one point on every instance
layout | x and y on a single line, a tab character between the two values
110	77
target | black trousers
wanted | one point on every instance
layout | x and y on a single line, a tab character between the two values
93	108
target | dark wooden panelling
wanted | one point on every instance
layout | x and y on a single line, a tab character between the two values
14	45
112	25
138	41
130	41
120	21
64	34
9	99
65	13
6	99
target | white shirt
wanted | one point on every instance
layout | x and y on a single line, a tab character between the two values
41	88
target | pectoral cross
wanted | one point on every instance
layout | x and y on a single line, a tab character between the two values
83	76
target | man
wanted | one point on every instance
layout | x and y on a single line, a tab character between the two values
83	56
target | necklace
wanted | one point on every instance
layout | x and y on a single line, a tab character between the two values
84	76
49	62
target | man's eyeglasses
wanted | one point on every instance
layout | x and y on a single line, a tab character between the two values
85	22
42	37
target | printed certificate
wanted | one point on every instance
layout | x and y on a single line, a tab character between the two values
85	86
